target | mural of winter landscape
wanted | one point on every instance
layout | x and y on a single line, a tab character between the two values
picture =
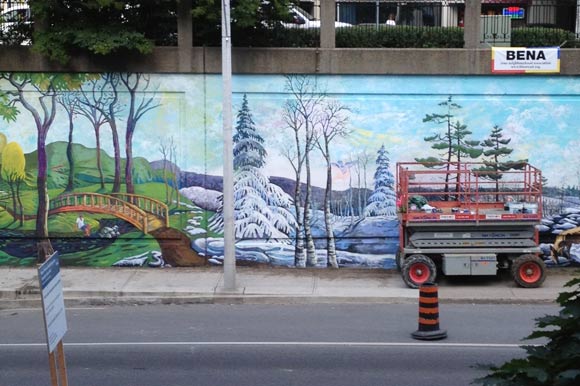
125	169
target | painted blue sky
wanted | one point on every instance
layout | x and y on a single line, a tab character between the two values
539	114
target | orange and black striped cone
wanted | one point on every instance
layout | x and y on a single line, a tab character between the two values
429	314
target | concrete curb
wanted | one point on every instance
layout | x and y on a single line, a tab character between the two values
86	287
147	299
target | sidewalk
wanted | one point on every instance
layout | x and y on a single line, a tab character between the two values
100	286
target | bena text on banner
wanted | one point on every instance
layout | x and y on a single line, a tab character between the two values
520	60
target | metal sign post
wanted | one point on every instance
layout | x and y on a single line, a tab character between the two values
228	185
54	317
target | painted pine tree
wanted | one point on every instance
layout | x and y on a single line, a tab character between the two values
442	142
495	152
383	200
261	209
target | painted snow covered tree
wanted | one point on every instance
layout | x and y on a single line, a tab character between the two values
383	200
261	209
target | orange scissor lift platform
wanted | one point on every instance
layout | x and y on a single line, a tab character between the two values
469	219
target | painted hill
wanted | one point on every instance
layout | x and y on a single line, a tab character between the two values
86	171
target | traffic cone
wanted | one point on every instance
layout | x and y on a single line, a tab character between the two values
429	314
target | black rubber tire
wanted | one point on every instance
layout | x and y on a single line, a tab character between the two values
399	261
407	270
537	267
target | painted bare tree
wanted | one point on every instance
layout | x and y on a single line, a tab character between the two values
69	101
363	159
332	124
93	98
37	93
166	146
174	172
111	108
300	112
294	154
141	101
358	170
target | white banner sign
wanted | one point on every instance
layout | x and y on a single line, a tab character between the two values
521	60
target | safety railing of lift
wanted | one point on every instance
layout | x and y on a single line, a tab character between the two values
469	191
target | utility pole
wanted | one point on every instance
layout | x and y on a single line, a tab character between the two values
228	181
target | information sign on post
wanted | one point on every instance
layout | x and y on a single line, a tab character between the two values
54	317
52	301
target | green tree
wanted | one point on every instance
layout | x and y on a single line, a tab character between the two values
104	27
69	102
451	143
496	151
245	14
556	363
3	142
37	93
140	103
99	27
462	146
14	172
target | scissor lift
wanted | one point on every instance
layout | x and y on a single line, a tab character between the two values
469	219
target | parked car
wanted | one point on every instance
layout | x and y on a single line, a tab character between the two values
302	19
15	25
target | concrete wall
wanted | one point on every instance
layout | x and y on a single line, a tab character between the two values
198	60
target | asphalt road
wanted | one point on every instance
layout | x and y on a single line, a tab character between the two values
338	344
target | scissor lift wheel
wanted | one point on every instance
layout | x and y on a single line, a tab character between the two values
528	271
418	269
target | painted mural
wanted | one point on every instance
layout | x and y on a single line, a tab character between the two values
125	169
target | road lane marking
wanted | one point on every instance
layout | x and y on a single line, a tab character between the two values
321	344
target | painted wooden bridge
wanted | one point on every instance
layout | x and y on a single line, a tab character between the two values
145	213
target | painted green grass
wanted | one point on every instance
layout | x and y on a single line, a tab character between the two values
118	250
15	261
135	243
128	244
